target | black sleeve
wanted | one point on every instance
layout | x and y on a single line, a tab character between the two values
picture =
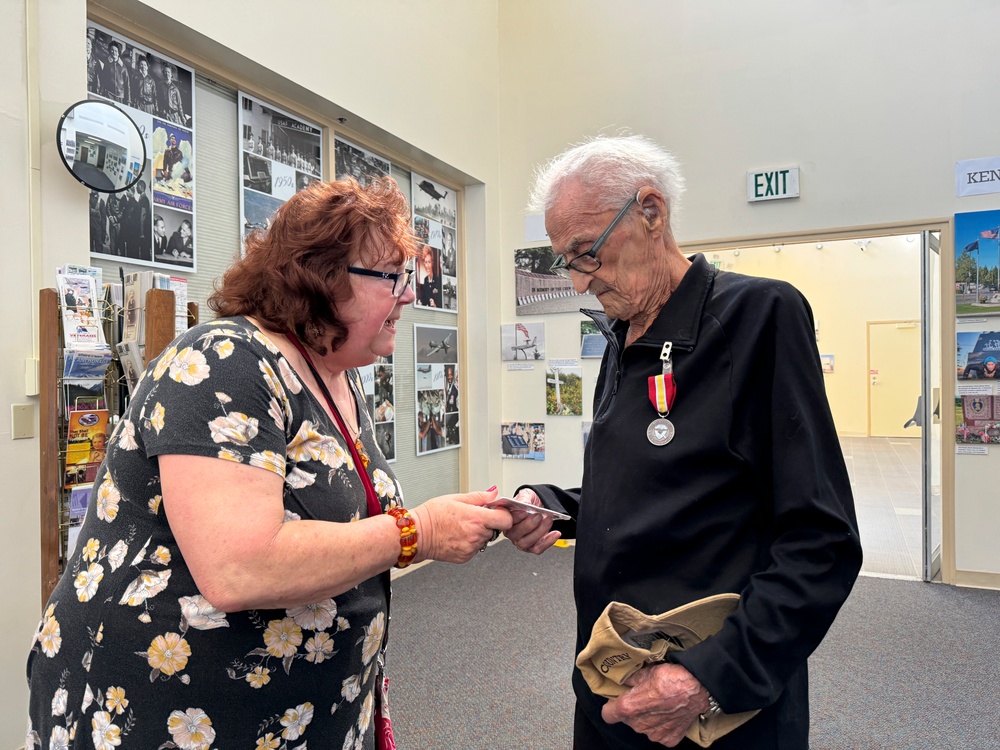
564	501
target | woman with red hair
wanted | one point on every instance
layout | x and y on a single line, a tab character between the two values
231	582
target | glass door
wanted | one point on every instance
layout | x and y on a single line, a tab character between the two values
930	273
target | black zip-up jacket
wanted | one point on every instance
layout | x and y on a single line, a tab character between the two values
751	496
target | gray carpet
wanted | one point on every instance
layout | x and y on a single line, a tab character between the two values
481	657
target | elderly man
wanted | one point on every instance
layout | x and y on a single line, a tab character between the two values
712	466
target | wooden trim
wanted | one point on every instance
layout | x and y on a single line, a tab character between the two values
978	579
48	437
160	312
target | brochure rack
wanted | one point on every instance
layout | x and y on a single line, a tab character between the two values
54	498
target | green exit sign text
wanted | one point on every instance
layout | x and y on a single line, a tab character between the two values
770	185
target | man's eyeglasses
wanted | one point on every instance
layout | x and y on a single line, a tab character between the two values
399	280
588	262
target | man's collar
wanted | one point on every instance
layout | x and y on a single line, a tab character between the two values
679	319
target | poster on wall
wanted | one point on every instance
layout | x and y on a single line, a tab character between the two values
522	341
564	391
435	350
977	260
280	154
153	222
977	419
435	224
351	160
380	395
978	355
523	440
539	291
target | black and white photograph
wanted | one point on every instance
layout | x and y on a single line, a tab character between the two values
385	436
280	154
256	173
351	160
522	341
539	291
437	386
449	293
449	252
433	201
156	92
173	237
120	222
452	436
385	394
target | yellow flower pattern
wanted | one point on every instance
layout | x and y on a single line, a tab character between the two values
226	391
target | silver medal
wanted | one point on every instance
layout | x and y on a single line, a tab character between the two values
660	431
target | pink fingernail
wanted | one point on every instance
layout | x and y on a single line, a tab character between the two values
492	488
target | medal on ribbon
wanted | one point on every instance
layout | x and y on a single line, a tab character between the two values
662	391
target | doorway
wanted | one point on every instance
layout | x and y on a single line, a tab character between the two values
876	304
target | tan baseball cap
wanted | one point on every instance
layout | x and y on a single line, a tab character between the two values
624	640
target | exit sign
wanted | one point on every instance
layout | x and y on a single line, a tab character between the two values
771	185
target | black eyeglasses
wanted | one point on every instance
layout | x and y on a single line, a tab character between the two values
588	262
399	280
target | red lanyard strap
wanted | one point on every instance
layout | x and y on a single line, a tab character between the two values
374	506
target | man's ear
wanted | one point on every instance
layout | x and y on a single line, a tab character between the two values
654	209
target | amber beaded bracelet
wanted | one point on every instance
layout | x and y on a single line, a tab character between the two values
407	536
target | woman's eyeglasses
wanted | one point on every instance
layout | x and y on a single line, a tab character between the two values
399	280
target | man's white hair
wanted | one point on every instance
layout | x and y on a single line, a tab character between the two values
614	168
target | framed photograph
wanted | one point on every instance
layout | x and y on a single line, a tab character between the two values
522	341
280	154
350	160
435	217
977	260
157	93
437	386
539	291
564	391
523	440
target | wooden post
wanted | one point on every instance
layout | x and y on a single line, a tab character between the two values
159	312
48	437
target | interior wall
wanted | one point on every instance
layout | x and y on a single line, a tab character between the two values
847	288
874	102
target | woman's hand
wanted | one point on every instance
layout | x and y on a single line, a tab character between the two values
531	532
453	528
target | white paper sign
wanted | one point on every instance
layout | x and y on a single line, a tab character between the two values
981	389
563	363
977	176
519	366
972	450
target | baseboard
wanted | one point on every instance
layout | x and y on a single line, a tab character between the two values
977	579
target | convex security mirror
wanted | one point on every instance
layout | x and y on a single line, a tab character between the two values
101	146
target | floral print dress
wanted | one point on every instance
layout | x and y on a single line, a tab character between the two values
129	654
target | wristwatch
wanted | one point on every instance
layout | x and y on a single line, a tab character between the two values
713	708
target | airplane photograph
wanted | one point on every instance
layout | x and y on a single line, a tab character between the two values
442	346
435	344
